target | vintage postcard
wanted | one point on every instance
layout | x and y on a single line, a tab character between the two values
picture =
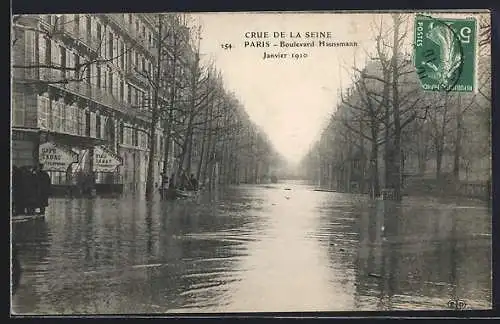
167	163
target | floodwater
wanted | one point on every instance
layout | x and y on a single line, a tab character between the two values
254	248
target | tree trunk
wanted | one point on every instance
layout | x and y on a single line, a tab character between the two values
154	121
362	161
395	172
173	95
375	185
458	142
439	159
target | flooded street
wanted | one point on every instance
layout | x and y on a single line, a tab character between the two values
254	248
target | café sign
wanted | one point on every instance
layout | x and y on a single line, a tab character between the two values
105	160
56	158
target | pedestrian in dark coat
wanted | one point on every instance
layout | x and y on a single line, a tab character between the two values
193	183
16	269
16	173
23	188
30	190
44	187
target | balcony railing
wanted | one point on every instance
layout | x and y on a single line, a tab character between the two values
91	42
118	20
90	92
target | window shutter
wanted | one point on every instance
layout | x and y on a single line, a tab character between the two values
43	49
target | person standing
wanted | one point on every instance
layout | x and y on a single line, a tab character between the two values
16	269
44	187
193	182
30	190
164	186
16	199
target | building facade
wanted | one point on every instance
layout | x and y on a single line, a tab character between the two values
81	103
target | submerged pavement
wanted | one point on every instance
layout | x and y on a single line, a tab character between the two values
254	248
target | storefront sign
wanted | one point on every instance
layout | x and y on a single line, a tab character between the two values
55	158
105	161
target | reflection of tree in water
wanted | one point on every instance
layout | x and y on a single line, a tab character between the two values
196	259
427	249
377	261
390	253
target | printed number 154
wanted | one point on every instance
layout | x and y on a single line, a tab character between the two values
226	46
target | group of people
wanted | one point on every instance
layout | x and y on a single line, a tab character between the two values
30	190
169	186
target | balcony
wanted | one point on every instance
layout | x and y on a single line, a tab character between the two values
82	41
120	23
92	93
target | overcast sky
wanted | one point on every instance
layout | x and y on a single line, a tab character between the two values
290	99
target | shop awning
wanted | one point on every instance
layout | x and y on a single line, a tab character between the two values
56	157
105	160
76	140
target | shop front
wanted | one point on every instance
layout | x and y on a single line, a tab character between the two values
79	166
24	147
106	169
58	160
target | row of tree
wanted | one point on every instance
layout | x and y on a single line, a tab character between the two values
205	128
384	120
207	124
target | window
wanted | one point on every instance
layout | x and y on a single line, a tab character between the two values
43	112
59	21
120	135
62	60
19	109
76	125
110	45
98	72
98	126
110	81
76	59
140	96
80	121
143	64
130	19
89	28
88	77
144	32
122	55
67	120
87	123
93	124
129	60
59	116
76	25
48	51
129	94
135	137
121	90
98	29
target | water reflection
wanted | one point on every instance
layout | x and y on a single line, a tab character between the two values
254	248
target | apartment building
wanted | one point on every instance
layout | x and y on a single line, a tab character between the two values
81	99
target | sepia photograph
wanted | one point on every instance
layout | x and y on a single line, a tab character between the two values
250	162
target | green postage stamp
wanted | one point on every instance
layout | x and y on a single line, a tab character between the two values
445	53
